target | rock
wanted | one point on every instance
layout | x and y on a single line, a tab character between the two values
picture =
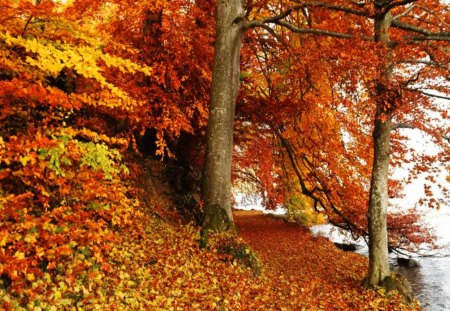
399	283
346	247
407	262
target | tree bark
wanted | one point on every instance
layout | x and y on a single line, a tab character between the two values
378	198
219	142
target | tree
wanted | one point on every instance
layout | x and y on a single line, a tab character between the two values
231	25
378	199
388	101
225	86
411	33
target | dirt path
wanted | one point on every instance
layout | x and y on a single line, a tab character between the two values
307	272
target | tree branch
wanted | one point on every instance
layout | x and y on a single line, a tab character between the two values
397	4
402	126
333	7
278	19
348	224
26	25
403	14
272	19
437	16
428	35
412	127
282	15
435	37
315	31
428	94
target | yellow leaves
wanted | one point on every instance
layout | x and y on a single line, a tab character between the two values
30	277
30	238
3	240
19	255
57	294
125	65
119	294
52	57
124	275
28	158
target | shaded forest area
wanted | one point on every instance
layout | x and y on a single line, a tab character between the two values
125	128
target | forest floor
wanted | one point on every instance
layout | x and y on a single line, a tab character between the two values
308	272
144	257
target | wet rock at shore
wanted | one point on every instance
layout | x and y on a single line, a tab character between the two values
346	247
407	262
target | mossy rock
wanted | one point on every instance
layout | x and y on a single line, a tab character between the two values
399	283
214	219
240	253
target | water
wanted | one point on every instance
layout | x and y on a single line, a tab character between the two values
430	281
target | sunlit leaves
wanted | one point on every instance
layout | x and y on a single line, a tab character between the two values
53	57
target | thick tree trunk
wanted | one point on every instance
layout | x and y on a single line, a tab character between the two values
219	144
378	199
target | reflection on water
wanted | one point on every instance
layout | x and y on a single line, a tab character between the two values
430	282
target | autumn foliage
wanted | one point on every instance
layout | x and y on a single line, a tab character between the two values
72	99
316	276
86	223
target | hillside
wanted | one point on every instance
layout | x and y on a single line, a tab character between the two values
149	259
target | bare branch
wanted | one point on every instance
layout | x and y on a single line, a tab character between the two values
428	94
405	26
26	25
282	15
402	126
272	32
443	37
412	127
272	19
428	35
333	7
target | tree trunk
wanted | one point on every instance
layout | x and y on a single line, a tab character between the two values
219	142
378	199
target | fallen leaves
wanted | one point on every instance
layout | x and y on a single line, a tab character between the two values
303	272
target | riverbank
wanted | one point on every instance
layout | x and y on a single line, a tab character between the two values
308	272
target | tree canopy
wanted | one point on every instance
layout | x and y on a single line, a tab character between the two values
305	104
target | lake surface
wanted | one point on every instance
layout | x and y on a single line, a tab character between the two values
430	281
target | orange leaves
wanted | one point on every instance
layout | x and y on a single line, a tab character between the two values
303	272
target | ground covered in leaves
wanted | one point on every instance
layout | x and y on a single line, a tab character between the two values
116	245
304	272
